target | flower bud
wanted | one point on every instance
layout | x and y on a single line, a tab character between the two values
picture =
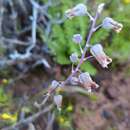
84	77
77	38
78	10
100	7
74	58
58	100
54	83
53	86
101	57
109	23
87	81
74	80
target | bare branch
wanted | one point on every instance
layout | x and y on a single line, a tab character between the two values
29	119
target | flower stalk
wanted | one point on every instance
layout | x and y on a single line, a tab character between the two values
96	50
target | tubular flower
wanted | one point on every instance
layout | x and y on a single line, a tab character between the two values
101	57
87	82
78	10
58	100
109	23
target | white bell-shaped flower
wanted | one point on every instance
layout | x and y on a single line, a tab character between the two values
86	81
101	57
109	23
58	101
78	10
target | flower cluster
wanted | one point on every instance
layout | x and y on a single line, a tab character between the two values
84	79
77	77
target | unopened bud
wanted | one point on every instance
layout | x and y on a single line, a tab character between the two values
53	86
74	58
77	38
58	100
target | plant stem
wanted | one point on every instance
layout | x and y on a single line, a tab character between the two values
87	42
85	49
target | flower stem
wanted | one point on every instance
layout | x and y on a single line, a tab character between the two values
81	50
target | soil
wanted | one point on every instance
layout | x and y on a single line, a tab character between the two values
110	110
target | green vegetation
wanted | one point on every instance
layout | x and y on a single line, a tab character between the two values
61	44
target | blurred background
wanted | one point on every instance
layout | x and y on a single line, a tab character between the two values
27	70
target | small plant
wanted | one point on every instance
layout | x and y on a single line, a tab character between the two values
77	77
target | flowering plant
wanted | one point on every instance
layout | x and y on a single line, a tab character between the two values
77	77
